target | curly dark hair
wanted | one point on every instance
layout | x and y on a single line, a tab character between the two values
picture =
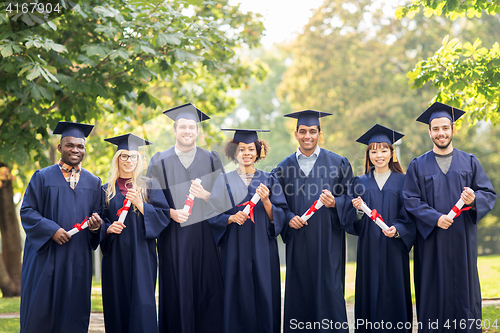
232	145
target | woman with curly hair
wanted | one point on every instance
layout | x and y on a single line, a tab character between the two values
249	250
129	249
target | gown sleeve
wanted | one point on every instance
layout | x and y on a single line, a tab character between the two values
39	230
483	190
419	209
156	211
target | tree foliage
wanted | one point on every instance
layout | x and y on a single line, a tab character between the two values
467	75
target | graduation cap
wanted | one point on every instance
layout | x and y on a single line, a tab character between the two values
308	117
379	133
245	135
440	110
186	111
128	142
76	130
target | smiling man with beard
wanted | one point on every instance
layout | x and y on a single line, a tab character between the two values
191	289
446	278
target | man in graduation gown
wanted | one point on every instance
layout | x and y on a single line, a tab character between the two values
447	287
191	287
315	250
57	267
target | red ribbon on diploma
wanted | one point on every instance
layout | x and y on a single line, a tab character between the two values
312	209
459	211
374	215
79	225
252	205
124	208
189	202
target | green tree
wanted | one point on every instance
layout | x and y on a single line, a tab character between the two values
108	57
466	75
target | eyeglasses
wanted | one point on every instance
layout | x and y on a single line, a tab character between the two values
125	157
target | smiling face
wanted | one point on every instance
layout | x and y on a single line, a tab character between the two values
127	162
72	150
441	133
246	154
307	137
380	156
185	131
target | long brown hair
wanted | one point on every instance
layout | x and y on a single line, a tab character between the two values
394	166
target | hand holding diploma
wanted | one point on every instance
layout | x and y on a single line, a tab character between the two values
249	205
372	213
194	190
313	209
466	198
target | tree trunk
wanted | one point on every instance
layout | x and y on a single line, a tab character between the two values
10	261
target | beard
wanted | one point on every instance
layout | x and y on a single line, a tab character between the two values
440	145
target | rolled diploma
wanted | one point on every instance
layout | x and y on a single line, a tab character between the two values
378	221
317	206
84	225
123	214
460	203
186	207
255	199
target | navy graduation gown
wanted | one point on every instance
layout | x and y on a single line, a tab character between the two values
315	254
382	271
129	265
56	279
191	287
249	254
446	278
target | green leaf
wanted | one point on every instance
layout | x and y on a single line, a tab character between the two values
34	73
6	50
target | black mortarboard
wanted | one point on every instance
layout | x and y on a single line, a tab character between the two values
245	135
76	130
308	117
379	133
128	142
186	111
439	110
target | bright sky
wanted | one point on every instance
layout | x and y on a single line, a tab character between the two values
282	18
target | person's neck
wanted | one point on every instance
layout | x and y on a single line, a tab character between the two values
125	175
309	152
185	149
441	151
382	170
246	169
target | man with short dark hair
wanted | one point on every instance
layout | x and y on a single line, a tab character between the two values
57	267
315	249
447	287
191	287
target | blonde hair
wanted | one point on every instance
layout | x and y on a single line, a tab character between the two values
137	183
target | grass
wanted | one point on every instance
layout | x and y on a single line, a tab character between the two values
9	305
491	319
9	325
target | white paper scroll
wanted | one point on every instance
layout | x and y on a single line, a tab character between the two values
79	226
310	212
188	204
378	221
458	206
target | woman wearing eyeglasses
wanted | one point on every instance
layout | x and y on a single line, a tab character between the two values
129	263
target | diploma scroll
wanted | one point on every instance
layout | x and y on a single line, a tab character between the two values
313	209
249	205
457	209
79	226
122	212
374	216
188	204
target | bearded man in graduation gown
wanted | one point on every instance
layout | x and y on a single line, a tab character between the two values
57	267
191	286
315	250
446	277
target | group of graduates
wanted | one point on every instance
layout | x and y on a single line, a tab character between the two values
214	234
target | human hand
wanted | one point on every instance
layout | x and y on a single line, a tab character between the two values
327	199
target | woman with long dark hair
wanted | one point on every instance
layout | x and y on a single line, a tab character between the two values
382	295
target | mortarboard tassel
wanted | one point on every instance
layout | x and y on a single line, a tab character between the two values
321	138
453	123
394	156
201	136
262	151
